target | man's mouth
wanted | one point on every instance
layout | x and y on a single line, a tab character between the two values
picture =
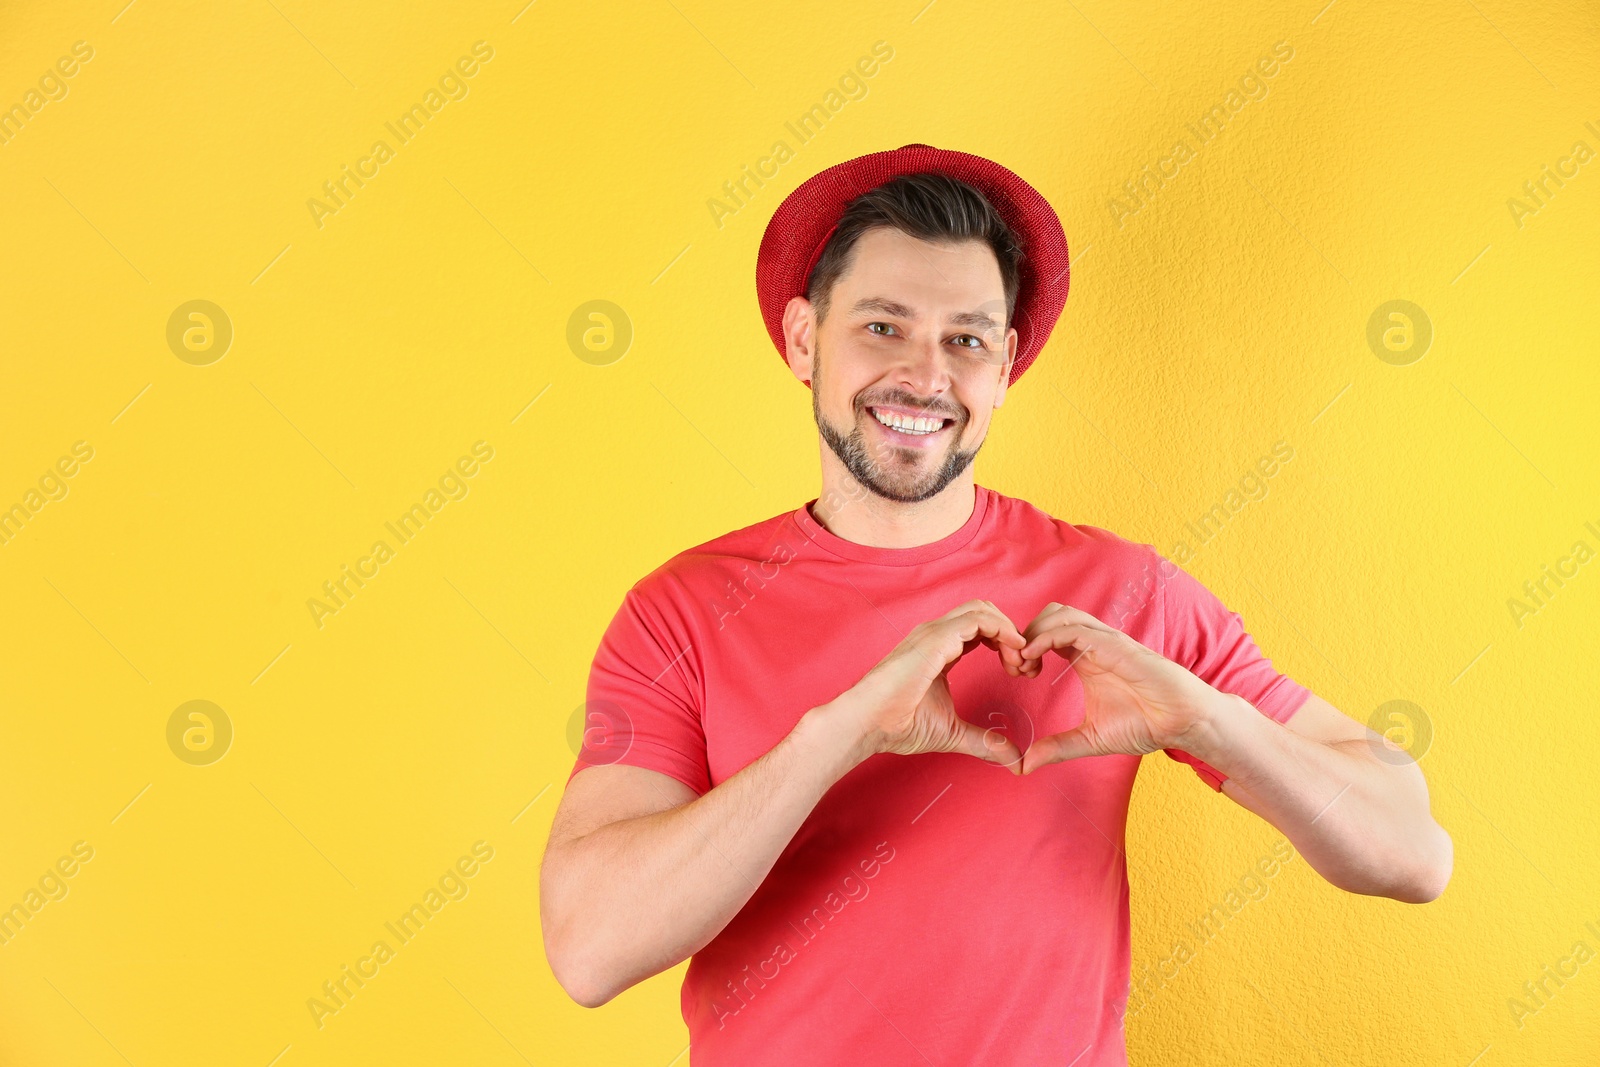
909	423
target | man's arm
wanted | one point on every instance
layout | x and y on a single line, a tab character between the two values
1360	821
640	874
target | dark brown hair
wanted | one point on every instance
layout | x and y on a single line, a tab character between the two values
929	206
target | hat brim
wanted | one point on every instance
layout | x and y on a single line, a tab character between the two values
800	229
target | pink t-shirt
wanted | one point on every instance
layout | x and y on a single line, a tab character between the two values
931	909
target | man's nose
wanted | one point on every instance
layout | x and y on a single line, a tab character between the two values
923	368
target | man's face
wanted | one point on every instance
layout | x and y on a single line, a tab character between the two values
914	331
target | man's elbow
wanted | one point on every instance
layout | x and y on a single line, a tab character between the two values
579	977
574	959
1429	878
587	993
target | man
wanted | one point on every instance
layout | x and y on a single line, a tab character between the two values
868	762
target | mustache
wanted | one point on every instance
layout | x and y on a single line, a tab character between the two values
933	409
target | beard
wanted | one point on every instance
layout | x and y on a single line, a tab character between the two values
892	473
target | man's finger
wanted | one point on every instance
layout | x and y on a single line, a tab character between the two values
1054	614
1010	657
1055	748
1061	635
990	745
984	609
986	625
995	624
1041	621
1009	649
971	605
1001	634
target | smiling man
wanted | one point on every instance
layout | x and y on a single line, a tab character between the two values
867	763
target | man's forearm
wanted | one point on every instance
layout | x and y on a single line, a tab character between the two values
638	896
1361	822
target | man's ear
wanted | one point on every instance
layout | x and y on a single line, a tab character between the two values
799	337
1005	370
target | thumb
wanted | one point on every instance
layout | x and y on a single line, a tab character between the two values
1056	748
990	745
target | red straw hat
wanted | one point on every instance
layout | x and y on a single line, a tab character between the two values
803	223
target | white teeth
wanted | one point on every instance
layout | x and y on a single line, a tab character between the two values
906	424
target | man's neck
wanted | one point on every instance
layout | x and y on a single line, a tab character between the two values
860	515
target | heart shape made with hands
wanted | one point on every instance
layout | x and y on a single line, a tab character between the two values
1135	699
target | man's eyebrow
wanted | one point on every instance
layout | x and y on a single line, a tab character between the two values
973	318
885	306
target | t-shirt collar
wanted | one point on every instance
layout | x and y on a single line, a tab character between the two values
894	557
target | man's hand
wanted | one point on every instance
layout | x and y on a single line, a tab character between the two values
694	862
1135	700
903	704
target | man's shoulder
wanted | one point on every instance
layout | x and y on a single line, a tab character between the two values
773	539
1026	522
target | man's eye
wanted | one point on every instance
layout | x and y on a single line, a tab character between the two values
872	326
976	342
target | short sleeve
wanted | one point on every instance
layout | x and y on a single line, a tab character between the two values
1201	634
642	707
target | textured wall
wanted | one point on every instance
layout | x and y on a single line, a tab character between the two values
358	343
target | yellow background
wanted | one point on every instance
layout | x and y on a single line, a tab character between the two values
431	712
